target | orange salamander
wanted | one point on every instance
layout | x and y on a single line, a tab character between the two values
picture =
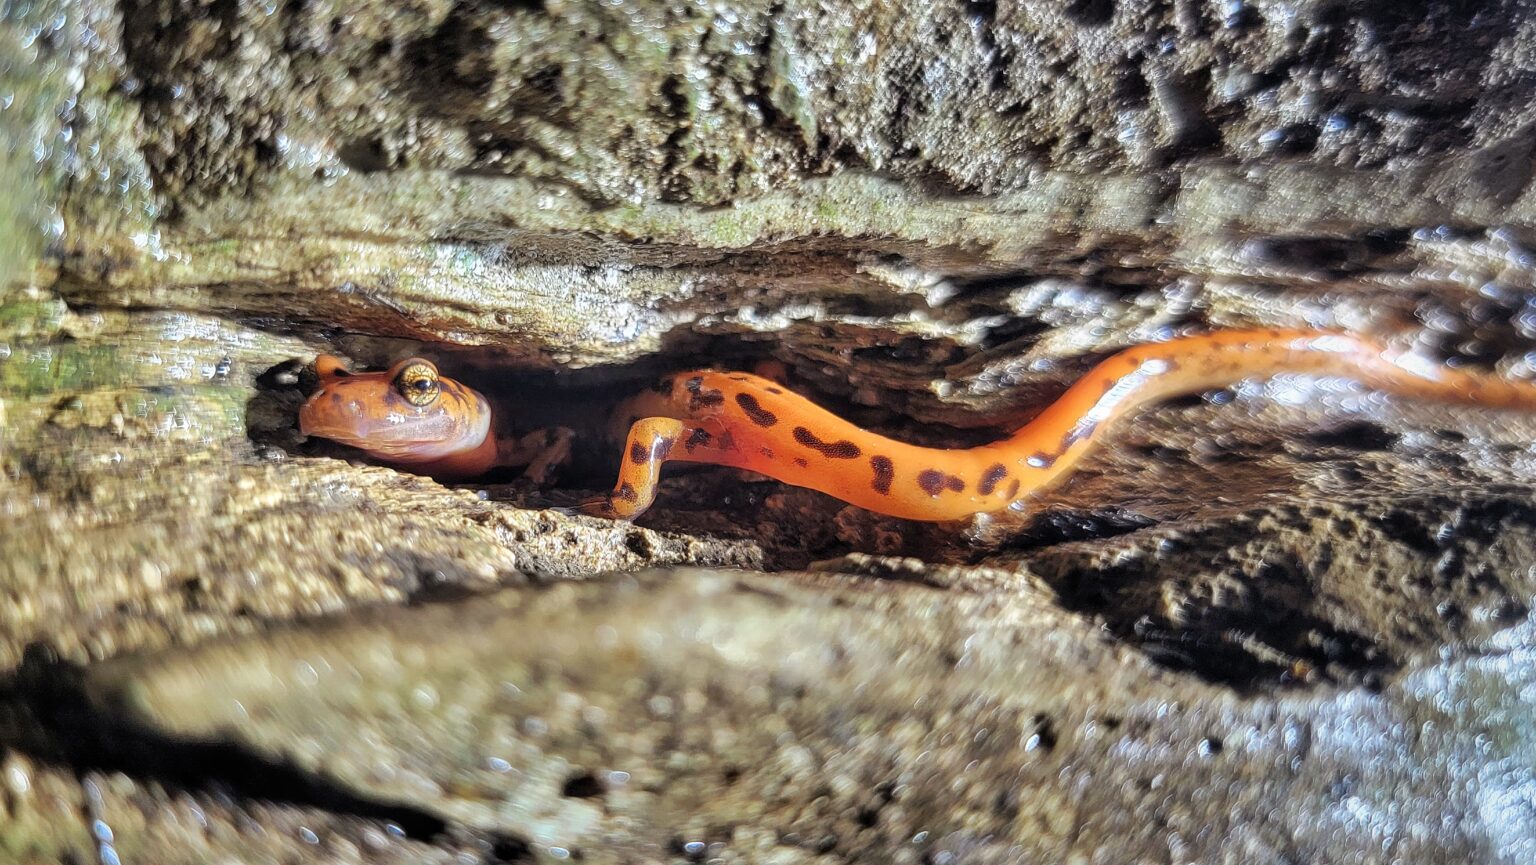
411	417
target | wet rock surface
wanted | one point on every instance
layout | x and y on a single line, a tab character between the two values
785	718
1285	621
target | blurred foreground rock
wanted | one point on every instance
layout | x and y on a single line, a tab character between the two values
785	719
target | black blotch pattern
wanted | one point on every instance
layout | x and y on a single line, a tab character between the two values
755	411
698	397
638	454
627	492
838	450
991	478
885	472
934	482
697	438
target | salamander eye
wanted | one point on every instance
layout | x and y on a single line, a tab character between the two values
417	382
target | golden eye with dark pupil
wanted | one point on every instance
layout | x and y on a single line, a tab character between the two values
418	384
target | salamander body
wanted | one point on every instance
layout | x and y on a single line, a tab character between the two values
745	421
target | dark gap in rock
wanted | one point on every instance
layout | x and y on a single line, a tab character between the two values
1335	256
1276	641
1185	99
366	155
583	786
1015	329
508	849
1352	435
1067	525
1131	85
454	64
999	283
1407	528
520	5
982	15
1386	241
1091	13
442	581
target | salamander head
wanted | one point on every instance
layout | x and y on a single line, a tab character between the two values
408	416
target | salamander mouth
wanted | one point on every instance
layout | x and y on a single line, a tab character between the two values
395	436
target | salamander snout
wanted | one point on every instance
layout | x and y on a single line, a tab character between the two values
408	413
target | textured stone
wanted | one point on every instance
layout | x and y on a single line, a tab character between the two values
747	717
1286	622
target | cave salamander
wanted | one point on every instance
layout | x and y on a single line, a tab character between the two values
412	417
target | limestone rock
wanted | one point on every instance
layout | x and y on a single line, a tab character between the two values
1286	622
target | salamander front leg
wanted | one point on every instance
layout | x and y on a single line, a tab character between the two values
652	441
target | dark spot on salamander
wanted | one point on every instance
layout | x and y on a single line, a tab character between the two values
991	478
1013	489
341	373
934	482
885	472
838	450
697	438
660	449
698	397
739	377
800	461
1042	460
627	493
766	452
755	411
774	390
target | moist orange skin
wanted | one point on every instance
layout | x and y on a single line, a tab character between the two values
742	420
449	437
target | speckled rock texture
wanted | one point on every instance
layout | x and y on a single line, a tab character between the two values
1289	621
